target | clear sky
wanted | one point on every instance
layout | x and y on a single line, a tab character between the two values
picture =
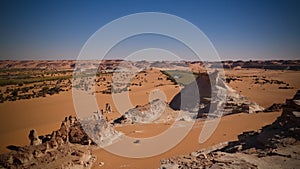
56	29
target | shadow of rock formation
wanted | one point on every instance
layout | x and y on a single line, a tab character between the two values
210	96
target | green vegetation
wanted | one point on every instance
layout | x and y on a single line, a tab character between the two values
34	71
180	76
32	83
15	81
46	90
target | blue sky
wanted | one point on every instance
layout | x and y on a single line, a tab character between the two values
42	29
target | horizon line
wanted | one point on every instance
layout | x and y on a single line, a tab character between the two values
234	60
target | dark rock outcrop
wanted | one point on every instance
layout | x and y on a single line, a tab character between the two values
274	107
33	137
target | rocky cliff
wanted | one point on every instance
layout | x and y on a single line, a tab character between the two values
210	96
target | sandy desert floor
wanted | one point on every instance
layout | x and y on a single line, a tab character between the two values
228	129
265	94
45	114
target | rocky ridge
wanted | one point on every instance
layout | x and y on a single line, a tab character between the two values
156	111
274	146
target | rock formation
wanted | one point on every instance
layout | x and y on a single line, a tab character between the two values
33	137
63	148
107	108
143	114
210	96
274	146
274	107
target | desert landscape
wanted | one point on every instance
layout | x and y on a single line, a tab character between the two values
258	119
152	84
